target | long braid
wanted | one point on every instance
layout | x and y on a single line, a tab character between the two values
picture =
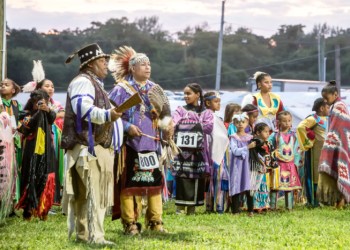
201	98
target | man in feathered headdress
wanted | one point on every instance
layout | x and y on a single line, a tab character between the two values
87	136
137	168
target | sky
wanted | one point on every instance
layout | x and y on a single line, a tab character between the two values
262	17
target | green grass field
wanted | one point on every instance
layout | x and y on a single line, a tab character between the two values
303	228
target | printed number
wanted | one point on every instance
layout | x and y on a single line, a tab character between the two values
148	161
187	140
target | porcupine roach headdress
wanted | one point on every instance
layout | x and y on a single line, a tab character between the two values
122	60
38	74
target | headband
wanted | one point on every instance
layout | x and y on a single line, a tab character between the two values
209	98
240	117
252	111
138	58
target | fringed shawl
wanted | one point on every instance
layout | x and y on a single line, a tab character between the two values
335	154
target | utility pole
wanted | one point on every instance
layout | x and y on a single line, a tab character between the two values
3	39
324	69
219	57
321	58
337	67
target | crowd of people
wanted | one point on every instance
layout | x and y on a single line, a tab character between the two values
90	155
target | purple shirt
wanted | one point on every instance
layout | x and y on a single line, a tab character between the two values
206	118
133	116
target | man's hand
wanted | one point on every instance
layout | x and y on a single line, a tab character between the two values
134	131
115	115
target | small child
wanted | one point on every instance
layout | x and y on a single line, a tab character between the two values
231	109
311	133
218	145
239	165
288	158
253	113
261	161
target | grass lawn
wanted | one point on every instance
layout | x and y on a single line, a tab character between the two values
303	228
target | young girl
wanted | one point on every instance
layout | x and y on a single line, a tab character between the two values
252	112
230	110
9	89
38	177
311	133
48	86
268	103
218	144
261	161
7	164
191	167
335	155
40	82
288	159
240	174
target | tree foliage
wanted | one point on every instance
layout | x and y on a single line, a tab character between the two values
186	56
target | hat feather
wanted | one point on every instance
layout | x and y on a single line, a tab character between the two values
70	57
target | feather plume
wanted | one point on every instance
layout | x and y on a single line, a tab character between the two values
161	107
29	87
257	74
38	71
159	101
119	62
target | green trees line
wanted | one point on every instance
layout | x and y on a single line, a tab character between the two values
185	56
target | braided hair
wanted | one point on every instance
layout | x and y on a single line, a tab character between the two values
41	83
259	76
259	127
196	88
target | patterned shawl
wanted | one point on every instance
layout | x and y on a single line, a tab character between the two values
335	154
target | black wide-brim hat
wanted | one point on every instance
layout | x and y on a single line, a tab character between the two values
88	54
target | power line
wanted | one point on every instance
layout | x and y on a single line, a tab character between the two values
256	67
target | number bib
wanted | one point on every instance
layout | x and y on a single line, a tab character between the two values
187	139
148	161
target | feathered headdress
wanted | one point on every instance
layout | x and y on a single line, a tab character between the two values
119	62
123	59
38	74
